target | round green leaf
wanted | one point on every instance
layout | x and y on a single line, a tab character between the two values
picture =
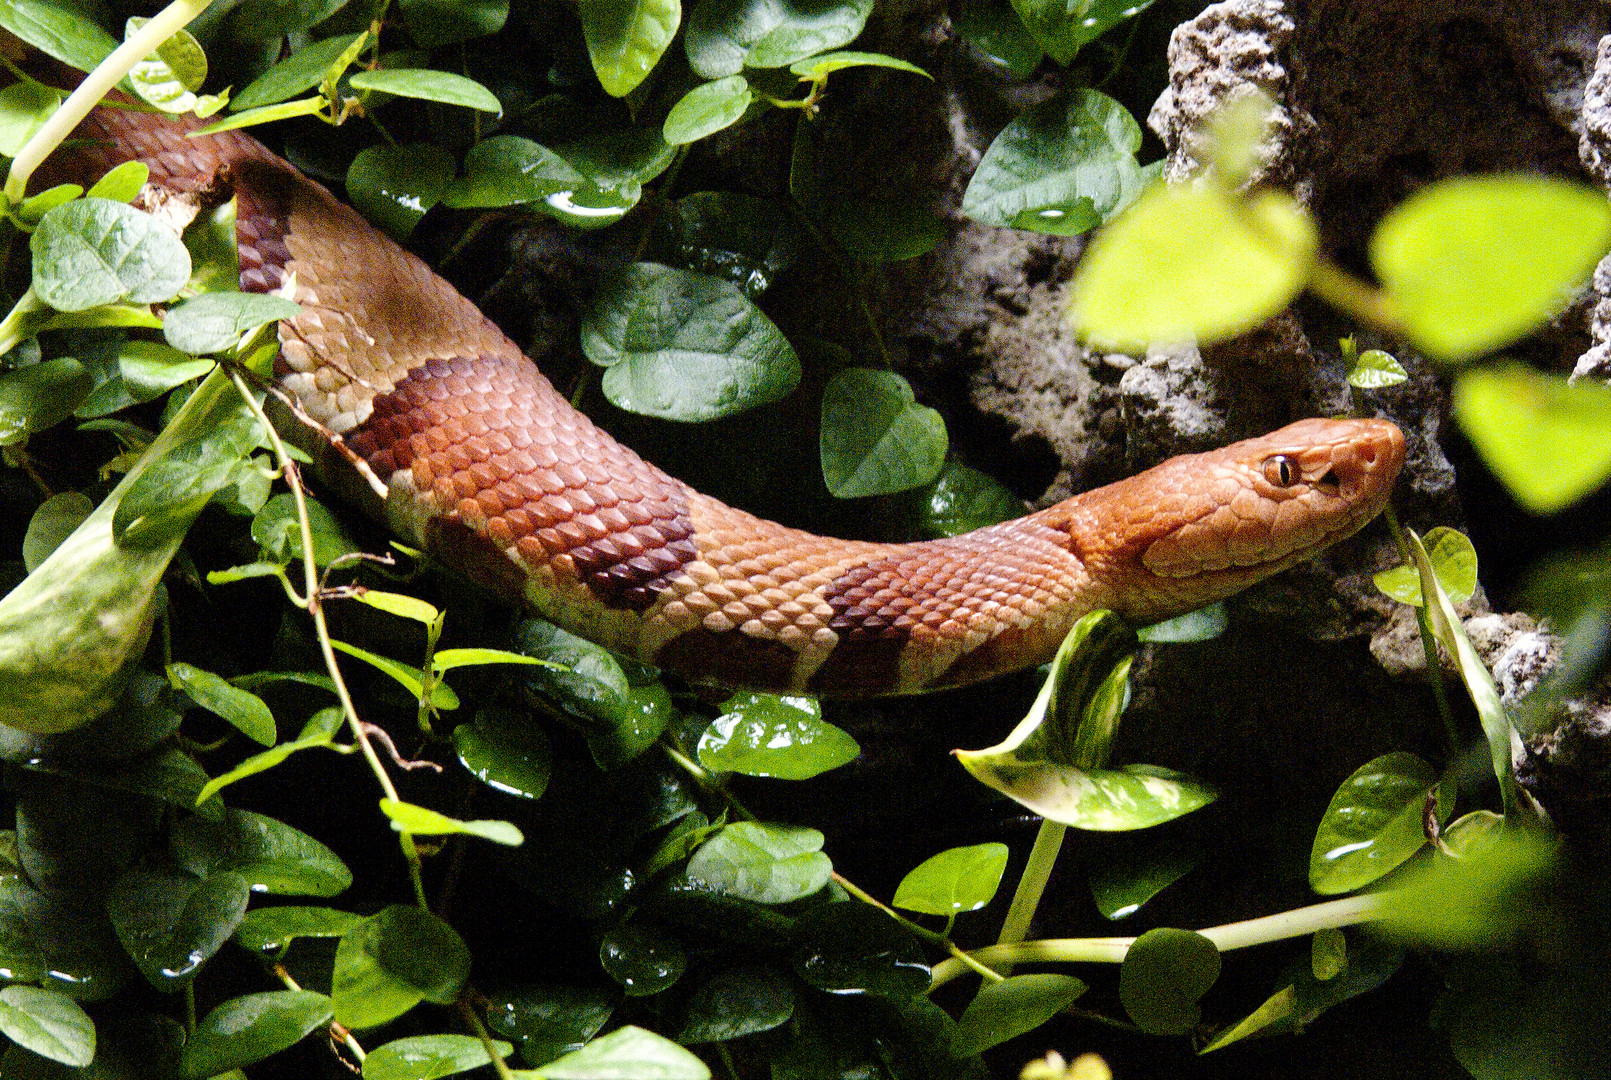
726	36
1454	561
1063	166
429	85
684	346
707	109
506	752
52	523
851	948
767	735
39	396
769	864
1375	369
628	1052
95	251
1374	823
1475	263
957	880
961	500
1163	975
302	70
169	77
215	321
391	961
625	38
150	369
269	930
817	68
1188	263
244	710
49	1023
1005	1010
248	1029
507	170
271	855
725	234
426	1057
875	438
738	1001
121	183
998	35
549	1020
172	923
58	31
276	530
644	961
24	108
393	186
1549	441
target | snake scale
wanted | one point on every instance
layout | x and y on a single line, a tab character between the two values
460	445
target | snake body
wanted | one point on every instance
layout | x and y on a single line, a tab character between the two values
462	447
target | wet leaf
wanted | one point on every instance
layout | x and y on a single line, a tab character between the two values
393	186
506	752
1062	29
1373	824
549	1020
726	36
707	109
1204	624
625	38
769	864
851	948
620	716
426	1057
40	396
957	880
876	439
724	234
248	1029
269	930
1122	881
391	961
961	500
628	1052
1163	975
272	856
64	946
1005	1010
171	924
643	960
768	735
738	1001
507	170
996	33
818	68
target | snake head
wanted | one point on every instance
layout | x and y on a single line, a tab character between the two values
1202	526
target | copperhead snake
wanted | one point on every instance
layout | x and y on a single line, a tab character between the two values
459	444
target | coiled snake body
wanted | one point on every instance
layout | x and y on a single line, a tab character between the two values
470	453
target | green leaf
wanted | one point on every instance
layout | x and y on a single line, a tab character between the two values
875	438
738	1001
35	207
769	864
244	710
273	857
1062	167
1488	900
851	948
1477	262
628	1052
317	732
95	251
707	109
1454	560
684	346
1164	973
49	1023
507	170
24	108
961	500
1548	441
726	36
1123	881
40	396
818	68
50	940
957	880
1005	1010
1375	369
404	607
270	930
435	23
150	369
746	240
172	923
1062	28
429	85
643	960
1373	824
625	38
998	35
419	820
1204	624
445	660
1191	263
767	735
276	530
121	183
285	110
393	186
216	321
52	523
302	70
549	1020
506	752
169	77
409	678
58	32
393	960
426	1057
620	716
247	1029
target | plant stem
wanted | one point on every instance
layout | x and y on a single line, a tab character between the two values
1358	298
163	25
1031	886
1429	645
499	1066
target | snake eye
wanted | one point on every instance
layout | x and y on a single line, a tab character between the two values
1281	471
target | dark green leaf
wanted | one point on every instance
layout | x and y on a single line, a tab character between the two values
215	321
961	500
248	1029
851	948
39	396
625	38
1163	975
628	1052
244	710
1061	29
269	930
1123	880
429	85
726	36
707	109
549	1020
52	523
277	532
57	31
997	33
684	346
1005	1010
770	864
620	717
172	923
317	732
394	186
875	438
507	170
64	946
393	960
434	23
643	960
959	879
95	251
259	20
738	1001
767	735
49	1023
272	856
507	752
741	238
426	1057
302	70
